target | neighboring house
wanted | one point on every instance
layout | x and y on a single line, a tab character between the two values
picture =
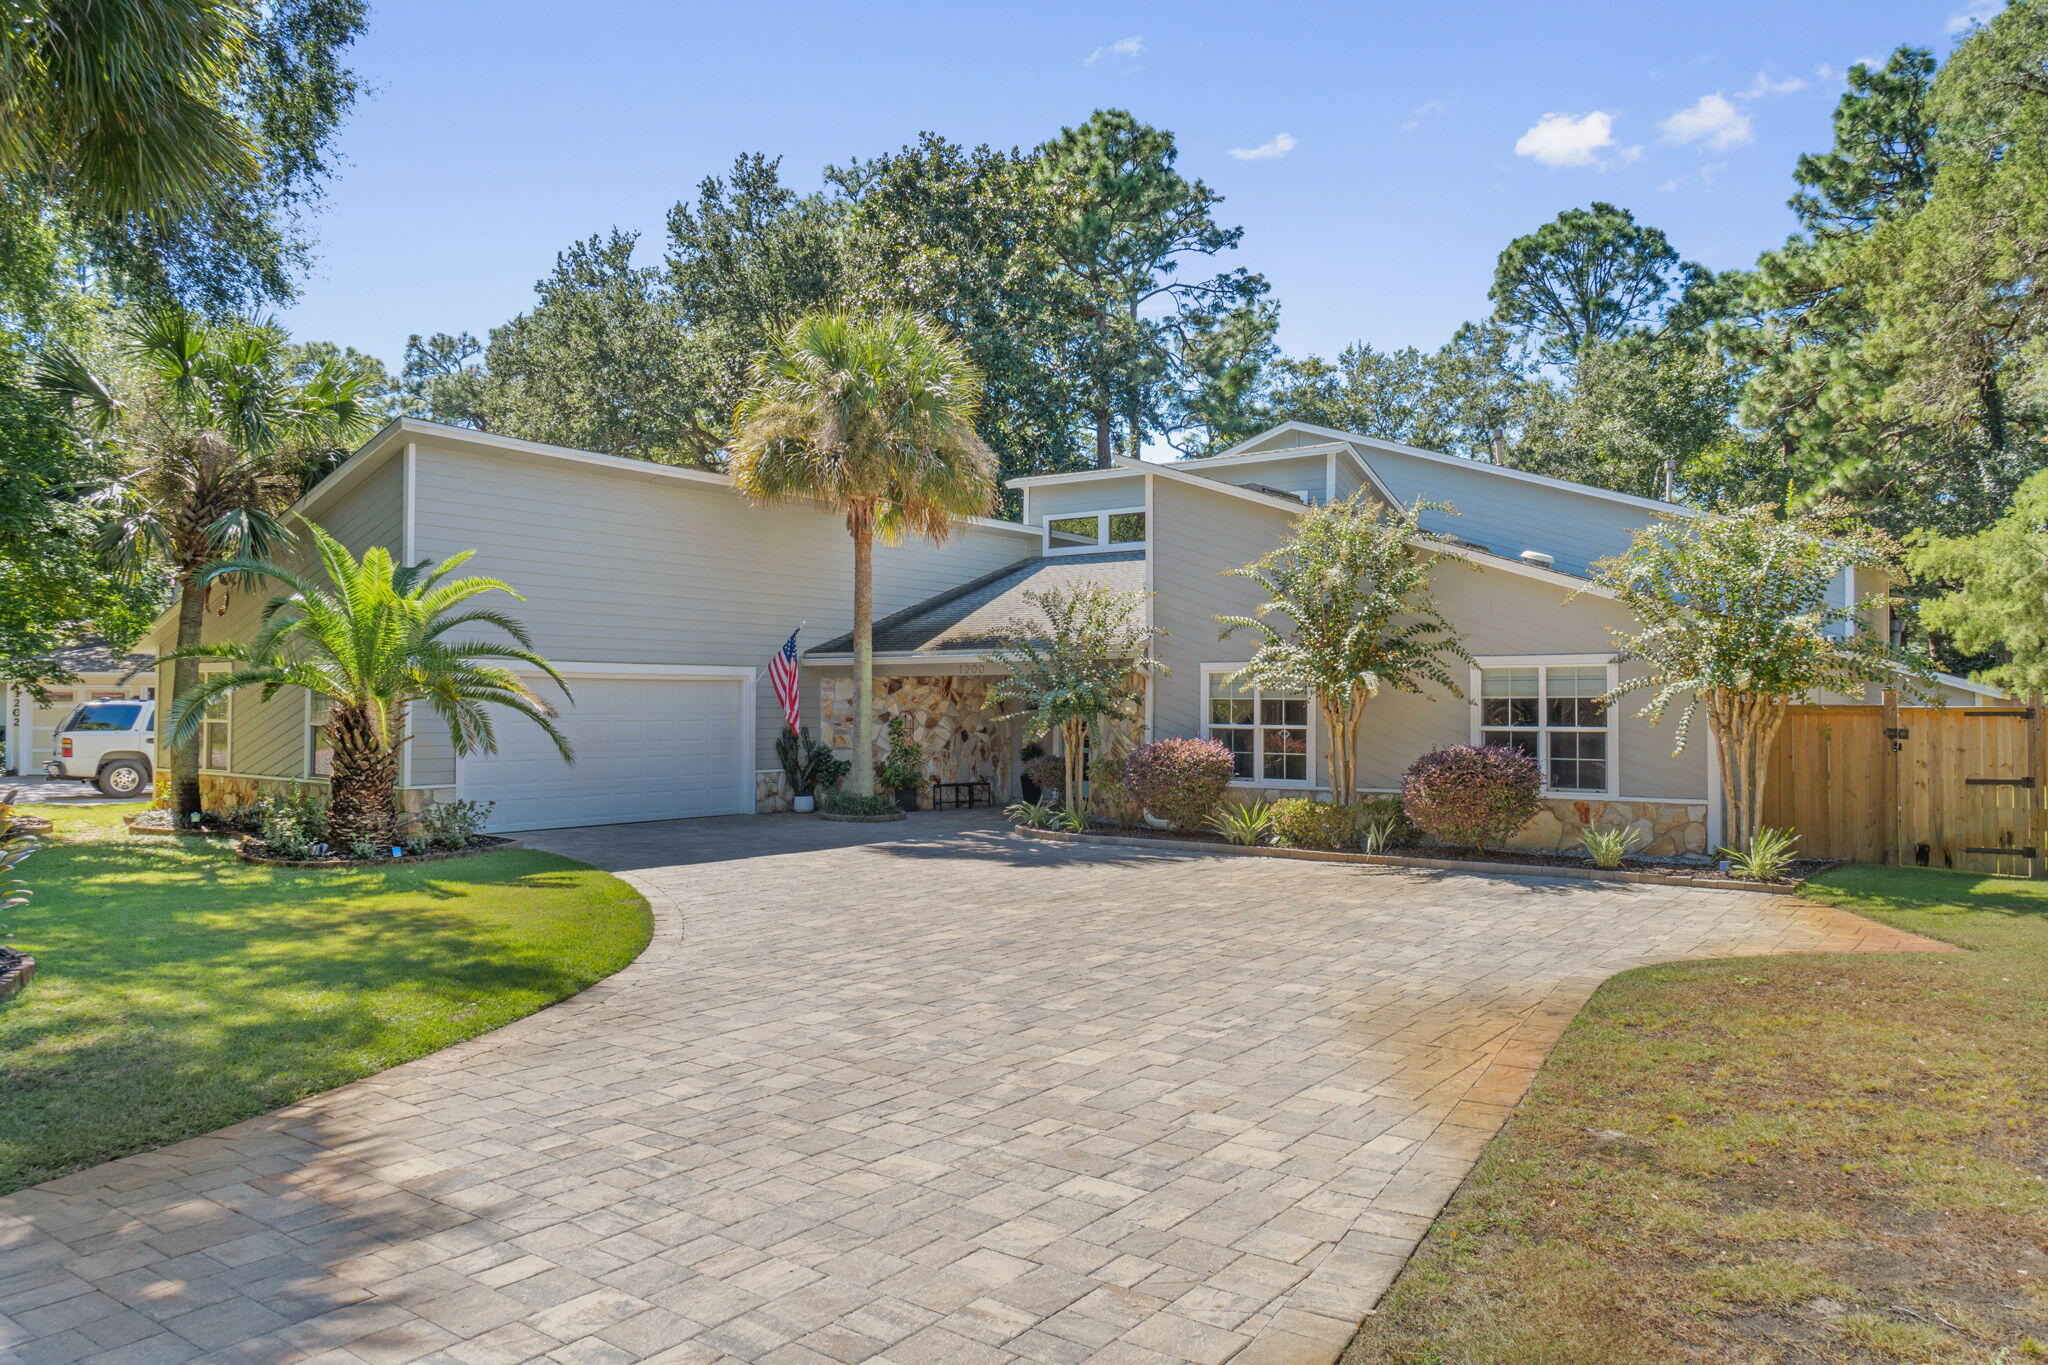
98	672
662	593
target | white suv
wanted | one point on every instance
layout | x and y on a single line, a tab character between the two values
110	742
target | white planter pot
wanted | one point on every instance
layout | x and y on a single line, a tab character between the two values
804	804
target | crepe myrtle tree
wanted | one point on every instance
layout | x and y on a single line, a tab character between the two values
1737	614
373	640
1348	613
1071	667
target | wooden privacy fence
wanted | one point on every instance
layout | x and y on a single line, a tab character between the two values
1937	786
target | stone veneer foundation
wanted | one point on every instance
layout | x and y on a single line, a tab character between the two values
225	791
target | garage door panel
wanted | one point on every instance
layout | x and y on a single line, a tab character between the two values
646	749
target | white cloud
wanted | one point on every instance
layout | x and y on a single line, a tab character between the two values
1280	145
1422	113
1825	73
1976	12
1560	140
1122	47
1763	85
1712	120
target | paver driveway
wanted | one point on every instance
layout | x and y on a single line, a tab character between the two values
918	1093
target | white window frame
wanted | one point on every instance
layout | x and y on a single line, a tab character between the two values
1102	540
226	724
1307	782
1543	663
313	723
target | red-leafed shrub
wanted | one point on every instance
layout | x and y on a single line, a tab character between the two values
1181	780
1465	795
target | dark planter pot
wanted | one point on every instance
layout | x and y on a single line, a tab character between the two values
1032	791
906	798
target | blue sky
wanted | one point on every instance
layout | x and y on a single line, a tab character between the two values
1377	155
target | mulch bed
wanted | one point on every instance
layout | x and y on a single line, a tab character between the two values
1661	871
249	851
159	822
15	971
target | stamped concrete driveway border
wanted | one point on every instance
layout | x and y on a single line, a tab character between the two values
923	1093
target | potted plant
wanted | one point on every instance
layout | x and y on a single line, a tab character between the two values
810	766
1032	789
902	767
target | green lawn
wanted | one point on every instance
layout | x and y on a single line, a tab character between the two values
1813	1159
178	989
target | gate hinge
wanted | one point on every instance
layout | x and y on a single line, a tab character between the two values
2026	782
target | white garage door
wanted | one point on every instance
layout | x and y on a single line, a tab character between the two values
646	749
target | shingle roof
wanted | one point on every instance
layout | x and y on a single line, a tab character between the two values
94	655
973	616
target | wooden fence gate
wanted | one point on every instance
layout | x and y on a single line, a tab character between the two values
1955	787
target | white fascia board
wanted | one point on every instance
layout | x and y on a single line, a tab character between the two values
1325	448
1071	476
901	657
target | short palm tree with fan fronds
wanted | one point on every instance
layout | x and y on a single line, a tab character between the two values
374	640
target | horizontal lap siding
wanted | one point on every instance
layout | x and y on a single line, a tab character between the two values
1307	477
1198	535
617	566
1085	495
1510	515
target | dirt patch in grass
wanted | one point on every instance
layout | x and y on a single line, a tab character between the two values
1839	1158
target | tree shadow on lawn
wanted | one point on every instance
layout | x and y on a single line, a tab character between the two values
178	990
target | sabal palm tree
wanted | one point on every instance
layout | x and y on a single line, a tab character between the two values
127	109
215	438
873	417
373	640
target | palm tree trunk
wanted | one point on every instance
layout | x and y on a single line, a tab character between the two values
364	779
184	754
861	522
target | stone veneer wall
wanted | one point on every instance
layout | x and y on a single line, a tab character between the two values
772	792
952	718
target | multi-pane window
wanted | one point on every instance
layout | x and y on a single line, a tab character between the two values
1554	714
1094	531
1265	729
213	735
319	750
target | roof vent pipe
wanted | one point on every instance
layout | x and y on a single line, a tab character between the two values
1538	558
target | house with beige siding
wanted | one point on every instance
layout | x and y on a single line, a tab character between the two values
661	594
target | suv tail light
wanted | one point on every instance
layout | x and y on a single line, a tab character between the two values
67	746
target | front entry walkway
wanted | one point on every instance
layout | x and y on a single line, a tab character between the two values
920	1092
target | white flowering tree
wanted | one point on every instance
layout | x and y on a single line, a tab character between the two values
1348	614
1072	664
1737	614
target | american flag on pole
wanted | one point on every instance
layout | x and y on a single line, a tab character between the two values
782	672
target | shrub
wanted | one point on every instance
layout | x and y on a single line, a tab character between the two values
1049	771
1181	781
1765	857
1386	811
903	765
1243	822
1108	798
1302	822
1607	847
1470	796
289	823
452	824
837	802
1035	814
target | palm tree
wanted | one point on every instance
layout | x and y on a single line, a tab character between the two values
873	417
373	640
215	439
129	109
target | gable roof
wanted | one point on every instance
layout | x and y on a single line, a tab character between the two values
1357	440
976	615
93	654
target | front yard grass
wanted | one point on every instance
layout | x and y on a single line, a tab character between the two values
179	989
1840	1158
